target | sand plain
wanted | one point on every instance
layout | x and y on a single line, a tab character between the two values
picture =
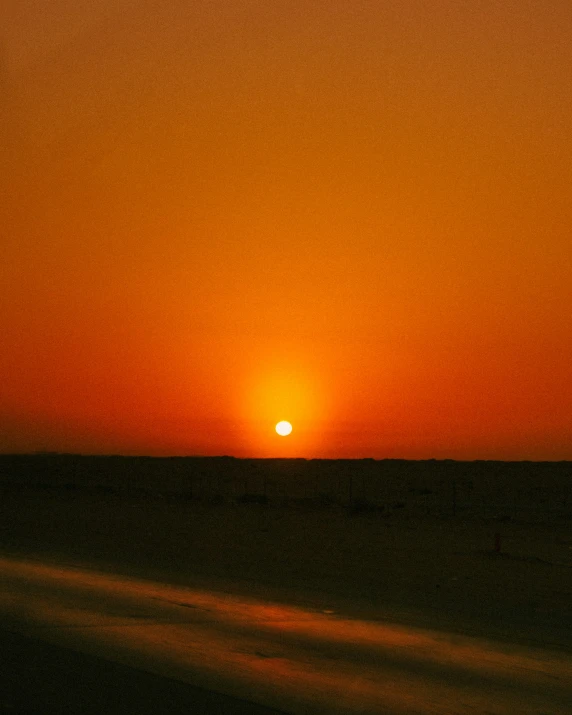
422	555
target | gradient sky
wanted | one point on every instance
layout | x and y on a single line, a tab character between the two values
352	215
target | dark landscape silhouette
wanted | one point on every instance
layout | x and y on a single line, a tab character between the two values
522	490
470	549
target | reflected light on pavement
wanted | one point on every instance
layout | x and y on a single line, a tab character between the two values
296	659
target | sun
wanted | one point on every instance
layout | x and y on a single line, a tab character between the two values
283	428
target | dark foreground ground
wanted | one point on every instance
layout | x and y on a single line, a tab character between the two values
43	679
402	543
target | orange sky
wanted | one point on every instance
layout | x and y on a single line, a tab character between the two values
352	215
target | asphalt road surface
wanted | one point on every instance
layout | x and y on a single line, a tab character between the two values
80	640
45	679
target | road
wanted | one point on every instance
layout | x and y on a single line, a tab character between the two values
290	658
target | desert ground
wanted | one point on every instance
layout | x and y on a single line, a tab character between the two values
321	587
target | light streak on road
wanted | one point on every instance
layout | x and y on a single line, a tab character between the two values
295	659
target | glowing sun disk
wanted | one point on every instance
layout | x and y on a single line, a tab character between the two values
283	428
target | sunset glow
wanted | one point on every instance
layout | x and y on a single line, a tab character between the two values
353	214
